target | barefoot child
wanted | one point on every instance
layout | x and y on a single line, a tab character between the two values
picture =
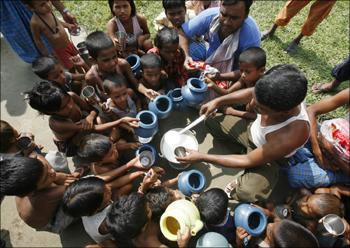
126	19
152	76
252	67
48	68
172	56
99	151
67	120
44	22
38	190
106	61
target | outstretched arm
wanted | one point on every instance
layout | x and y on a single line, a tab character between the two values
324	106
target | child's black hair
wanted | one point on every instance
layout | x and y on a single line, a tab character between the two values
247	3
93	147
96	42
46	97
291	234
113	80
172	4
43	65
282	88
212	205
159	199
255	56
132	5
131	42
151	60
166	36
7	134
19	175
126	218
28	2
83	197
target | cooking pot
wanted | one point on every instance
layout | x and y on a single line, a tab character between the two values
171	140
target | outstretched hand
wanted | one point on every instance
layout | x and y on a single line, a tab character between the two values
192	156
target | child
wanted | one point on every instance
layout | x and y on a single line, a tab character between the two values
66	118
106	61
285	233
13	142
39	190
130	223
125	19
122	101
172	56
44	22
174	15
101	153
48	68
89	198
252	67
213	208
152	76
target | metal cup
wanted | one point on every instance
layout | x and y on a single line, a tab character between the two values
83	52
331	225
121	36
180	151
89	93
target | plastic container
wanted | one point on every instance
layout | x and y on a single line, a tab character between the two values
212	239
177	98
148	155
148	126
252	219
161	106
134	61
191	182
194	92
177	216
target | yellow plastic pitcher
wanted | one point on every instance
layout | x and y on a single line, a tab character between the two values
179	214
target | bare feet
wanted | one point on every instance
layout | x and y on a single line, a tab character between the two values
322	88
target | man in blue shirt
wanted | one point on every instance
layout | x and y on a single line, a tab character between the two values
231	18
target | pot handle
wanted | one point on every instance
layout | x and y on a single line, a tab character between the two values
160	155
193	132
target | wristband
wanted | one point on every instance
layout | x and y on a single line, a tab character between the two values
65	10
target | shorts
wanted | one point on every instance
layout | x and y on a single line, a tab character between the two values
64	55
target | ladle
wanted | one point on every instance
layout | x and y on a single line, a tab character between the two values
195	123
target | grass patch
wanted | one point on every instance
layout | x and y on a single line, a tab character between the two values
317	55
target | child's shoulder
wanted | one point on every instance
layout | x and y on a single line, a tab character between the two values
141	18
123	63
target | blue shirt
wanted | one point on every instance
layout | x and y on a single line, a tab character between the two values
249	35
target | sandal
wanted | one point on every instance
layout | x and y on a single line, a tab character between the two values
230	187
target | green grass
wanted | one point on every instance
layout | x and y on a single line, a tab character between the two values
317	55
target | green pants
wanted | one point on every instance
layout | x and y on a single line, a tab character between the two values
256	184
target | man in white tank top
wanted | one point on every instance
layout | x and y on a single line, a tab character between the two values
282	126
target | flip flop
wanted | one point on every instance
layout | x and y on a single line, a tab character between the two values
230	187
320	88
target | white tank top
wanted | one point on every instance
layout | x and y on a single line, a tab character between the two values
258	132
92	223
135	26
129	112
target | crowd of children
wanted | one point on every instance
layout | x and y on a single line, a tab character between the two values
264	111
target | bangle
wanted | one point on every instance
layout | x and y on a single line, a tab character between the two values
65	10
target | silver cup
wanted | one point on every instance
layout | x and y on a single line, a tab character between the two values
121	36
89	93
331	225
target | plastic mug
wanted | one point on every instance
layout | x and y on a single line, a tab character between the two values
89	93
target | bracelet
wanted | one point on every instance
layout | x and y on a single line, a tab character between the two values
65	10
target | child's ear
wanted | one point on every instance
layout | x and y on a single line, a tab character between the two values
262	70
